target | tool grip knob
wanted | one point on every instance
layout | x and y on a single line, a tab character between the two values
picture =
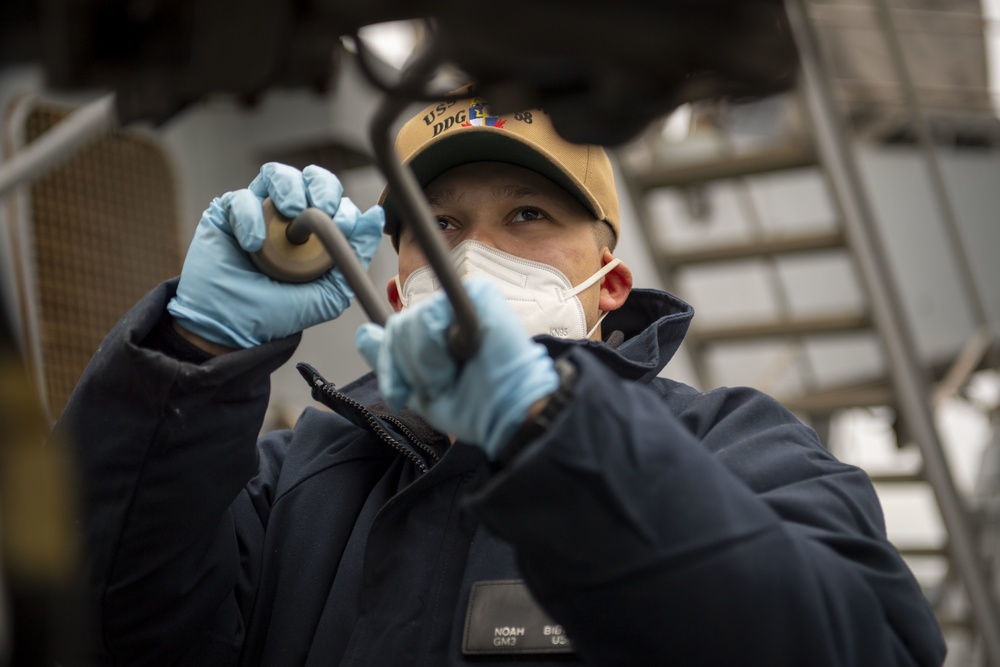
288	257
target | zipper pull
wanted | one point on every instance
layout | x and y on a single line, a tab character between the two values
313	377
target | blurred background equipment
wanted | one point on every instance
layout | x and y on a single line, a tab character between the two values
88	238
832	220
41	607
162	56
83	242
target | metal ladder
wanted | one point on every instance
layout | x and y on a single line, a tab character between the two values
908	385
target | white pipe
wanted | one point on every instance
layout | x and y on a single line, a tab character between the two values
65	138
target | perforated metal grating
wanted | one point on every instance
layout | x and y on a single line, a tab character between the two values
105	232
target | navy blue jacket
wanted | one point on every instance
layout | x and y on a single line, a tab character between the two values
656	524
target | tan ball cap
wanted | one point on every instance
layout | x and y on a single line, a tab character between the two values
449	134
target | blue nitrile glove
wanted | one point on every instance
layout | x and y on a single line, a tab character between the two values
489	399
223	298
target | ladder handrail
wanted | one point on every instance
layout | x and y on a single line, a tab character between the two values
946	209
911	386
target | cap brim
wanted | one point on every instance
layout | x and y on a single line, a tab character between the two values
484	144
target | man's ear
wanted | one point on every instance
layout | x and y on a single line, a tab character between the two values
615	286
392	293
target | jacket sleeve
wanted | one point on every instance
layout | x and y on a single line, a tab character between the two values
704	529
163	448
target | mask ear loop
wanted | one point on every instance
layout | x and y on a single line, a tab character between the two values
399	291
600	273
599	320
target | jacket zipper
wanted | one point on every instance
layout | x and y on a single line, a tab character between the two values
377	428
413	438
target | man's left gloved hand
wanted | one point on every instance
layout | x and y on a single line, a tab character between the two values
486	401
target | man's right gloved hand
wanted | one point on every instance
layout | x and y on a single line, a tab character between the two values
224	299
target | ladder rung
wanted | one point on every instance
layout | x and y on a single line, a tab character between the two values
898	478
955	623
778	158
749	249
869	395
916	551
807	326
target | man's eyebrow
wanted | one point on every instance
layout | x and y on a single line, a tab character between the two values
444	197
512	191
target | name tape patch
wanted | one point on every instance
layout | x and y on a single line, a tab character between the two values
503	617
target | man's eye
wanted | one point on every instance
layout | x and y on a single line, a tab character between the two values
528	214
444	224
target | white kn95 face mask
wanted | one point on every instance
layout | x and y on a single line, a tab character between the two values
541	295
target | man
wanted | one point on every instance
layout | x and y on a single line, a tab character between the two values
549	499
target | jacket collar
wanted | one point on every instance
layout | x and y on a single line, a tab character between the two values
654	324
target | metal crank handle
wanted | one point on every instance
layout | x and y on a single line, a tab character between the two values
302	249
463	335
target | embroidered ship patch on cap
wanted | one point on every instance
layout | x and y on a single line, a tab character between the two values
479	115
